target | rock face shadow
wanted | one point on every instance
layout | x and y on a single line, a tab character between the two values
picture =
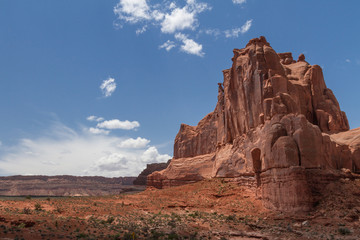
255	154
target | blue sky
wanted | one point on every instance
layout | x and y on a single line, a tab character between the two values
101	87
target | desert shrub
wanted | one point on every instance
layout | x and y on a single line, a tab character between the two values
175	216
110	219
129	236
193	235
18	238
28	197
21	225
26	210
156	235
344	231
59	210
172	223
114	237
82	235
230	218
195	214
173	236
38	207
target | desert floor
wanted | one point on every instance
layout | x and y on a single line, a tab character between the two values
211	209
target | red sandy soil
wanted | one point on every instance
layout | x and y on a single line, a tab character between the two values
205	210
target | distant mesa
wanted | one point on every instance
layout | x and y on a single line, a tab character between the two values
276	128
65	185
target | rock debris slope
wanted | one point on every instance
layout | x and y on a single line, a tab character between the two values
276	128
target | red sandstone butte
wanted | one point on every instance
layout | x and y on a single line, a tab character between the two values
276	128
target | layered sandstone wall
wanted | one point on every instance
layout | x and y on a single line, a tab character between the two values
275	119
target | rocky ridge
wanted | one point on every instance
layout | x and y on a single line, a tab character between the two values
276	128
150	168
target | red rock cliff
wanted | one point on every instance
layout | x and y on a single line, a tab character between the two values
275	128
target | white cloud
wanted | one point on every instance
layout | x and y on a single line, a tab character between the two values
167	15
239	1
157	15
232	33
132	11
348	60
48	163
117	124
189	46
183	18
108	87
172	5
134	143
110	124
236	31
178	19
168	45
151	155
93	118
172	17
113	162
98	131
79	153
127	162
141	30
246	27
212	32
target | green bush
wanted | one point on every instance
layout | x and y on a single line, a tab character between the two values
38	207
26	210
344	231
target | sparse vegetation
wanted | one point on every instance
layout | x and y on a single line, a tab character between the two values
38	207
59	210
178	213
110	220
344	231
26	210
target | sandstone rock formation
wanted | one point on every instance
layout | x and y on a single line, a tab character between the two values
276	127
150	168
